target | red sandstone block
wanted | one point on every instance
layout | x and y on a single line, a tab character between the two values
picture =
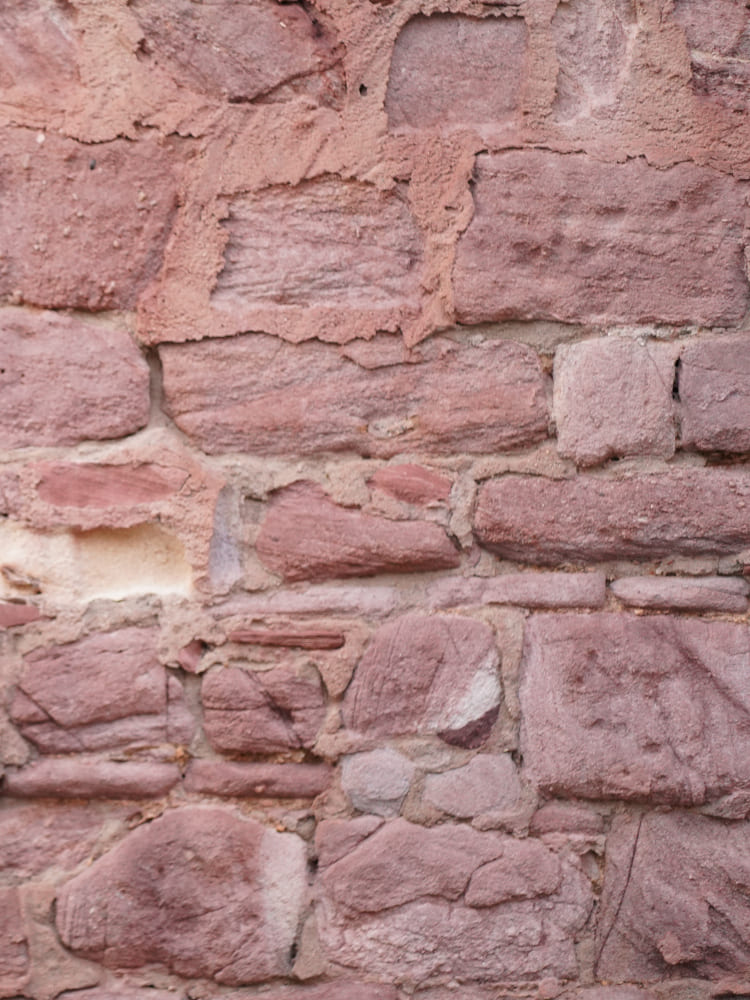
700	593
100	380
488	783
37	55
412	484
12	614
675	895
83	485
87	224
258	781
429	86
199	890
613	397
90	778
423	675
645	708
690	511
566	817
569	238
306	536
293	638
249	711
255	394
546	590
714	385
14	950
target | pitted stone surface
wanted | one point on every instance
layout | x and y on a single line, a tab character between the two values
714	383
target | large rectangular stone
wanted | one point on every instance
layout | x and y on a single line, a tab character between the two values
689	511
645	708
570	238
714	389
259	395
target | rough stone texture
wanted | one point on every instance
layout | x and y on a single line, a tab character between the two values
306	536
718	33
715	395
569	238
102	380
14	952
106	691
392	904
343	989
546	590
701	593
85	227
687	511
613	398
377	782
486	784
524	870
257	395
564	817
248	711
428	86
91	778
424	675
412	484
88	485
17	614
652	709
282	781
198	890
675	899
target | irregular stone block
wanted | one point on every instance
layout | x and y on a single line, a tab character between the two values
699	593
428	86
422	675
546	590
198	890
714	383
570	238
107	690
106	381
566	817
675	898
82	485
82	778
306	536
87	226
718	33
525	869
255	394
394	906
377	781
412	484
14	948
12	614
486	784
687	511
645	708
263	781
248	711
613	398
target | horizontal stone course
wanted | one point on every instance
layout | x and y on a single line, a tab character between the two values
270	781
82	777
700	593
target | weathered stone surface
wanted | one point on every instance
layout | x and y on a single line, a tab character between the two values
248	711
325	598
687	511
546	590
486	784
252	393
566	817
524	870
699	593
377	781
569	238
86	226
412	484
107	690
644	708
613	397
393	905
342	989
68	484
294	638
14	949
675	898
37	55
306	536
428	86
718	33
198	890
84	778
103	381
715	395
234	50
12	614
423	675
264	781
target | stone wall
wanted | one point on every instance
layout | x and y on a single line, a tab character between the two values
375	422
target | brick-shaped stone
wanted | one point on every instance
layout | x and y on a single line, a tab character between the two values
427	674
675	899
306	536
688	511
101	378
199	890
257	780
627	707
255	394
714	386
105	691
428	86
570	238
545	590
412	484
84	777
672	593
249	711
86	226
613	398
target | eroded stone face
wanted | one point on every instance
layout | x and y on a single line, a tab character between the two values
714	387
646	708
423	675
198	890
718	33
